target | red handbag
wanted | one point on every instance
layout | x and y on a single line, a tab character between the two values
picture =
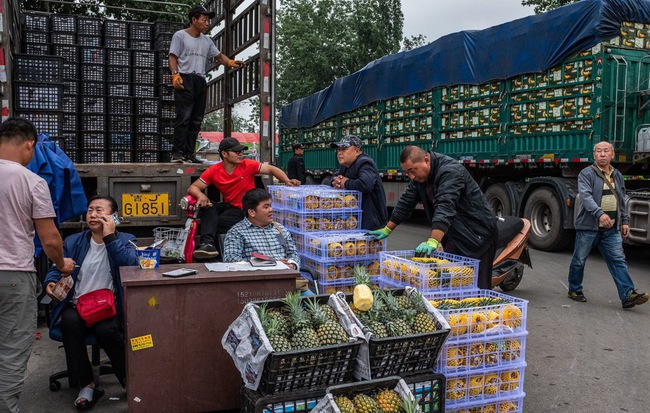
96	306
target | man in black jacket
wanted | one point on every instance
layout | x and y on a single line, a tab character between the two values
359	172
461	219
296	165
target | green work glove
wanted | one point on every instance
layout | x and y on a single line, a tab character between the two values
425	249
381	233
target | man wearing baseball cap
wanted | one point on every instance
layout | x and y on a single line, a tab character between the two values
189	50
296	165
233	178
359	172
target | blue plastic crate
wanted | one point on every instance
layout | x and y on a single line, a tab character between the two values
498	405
335	271
316	198
321	220
451	272
484	386
481	353
347	245
497	319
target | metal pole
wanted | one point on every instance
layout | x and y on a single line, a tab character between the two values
228	80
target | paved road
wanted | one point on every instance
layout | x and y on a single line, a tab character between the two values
582	357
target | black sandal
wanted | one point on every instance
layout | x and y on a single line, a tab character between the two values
89	397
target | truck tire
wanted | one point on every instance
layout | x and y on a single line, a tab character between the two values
499	201
545	215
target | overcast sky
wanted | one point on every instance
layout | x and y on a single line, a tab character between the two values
436	18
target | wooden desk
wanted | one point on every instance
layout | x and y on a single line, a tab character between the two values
182	367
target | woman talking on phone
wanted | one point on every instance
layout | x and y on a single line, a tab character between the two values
94	304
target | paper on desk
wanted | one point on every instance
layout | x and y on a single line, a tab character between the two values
241	266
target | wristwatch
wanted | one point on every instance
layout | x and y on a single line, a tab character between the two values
175	72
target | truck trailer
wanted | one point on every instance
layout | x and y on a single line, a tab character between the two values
520	105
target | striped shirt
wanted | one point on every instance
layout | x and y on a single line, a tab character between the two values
608	201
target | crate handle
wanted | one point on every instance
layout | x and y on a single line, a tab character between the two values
126	171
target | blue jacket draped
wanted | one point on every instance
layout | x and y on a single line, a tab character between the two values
120	253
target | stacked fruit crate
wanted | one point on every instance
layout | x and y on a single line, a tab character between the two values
35	34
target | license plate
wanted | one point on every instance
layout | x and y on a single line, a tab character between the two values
145	205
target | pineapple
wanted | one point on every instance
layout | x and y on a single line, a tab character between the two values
456	356
477	323
344	404
458	323
475	386
511	350
490	384
398	327
329	312
411	405
423	321
509	380
476	354
374	316
272	328
456	389
404	302
511	316
389	401
365	404
362	296
283	321
303	335
329	332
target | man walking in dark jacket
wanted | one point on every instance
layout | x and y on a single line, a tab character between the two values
461	219
296	165
359	172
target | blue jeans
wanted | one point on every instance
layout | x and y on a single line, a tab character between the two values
610	245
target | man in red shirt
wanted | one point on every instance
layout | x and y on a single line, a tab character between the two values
233	178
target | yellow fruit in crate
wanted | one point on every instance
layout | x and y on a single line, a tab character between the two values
456	389
338	201
507	407
330	290
489	408
491	354
362	296
511	350
310	224
493	319
509	380
334	249
375	246
325	224
468	276
373	268
326	203
477	322
387	267
458	324
476	353
362	247
350	249
475	386
490	383
312	202
511	316
333	272
351	222
350	201
348	271
456	356
338	224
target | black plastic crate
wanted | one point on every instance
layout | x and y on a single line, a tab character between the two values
147	107
119	89
71	140
36	49
164	76
119	156
166	143
146	124
91	88
140	44
69	52
118	57
63	23
167	127
96	123
92	140
70	87
120	123
120	140
94	55
118	74
89	25
146	156
74	155
140	31
63	38
70	122
162	44
93	156
166	93
70	70
428	389
36	37
165	156
143	58
147	141
120	105
93	104
90	72
163	60
168	110
144	91
50	123
89	40
70	104
41	69
34	21
38	96
168	28
295	402
116	43
144	75
116	28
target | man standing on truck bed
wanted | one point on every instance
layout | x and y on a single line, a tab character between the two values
233	178
602	217
189	50
460	216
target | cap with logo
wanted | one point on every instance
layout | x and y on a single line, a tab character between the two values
200	10
231	144
347	141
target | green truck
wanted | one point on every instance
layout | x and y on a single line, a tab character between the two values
520	105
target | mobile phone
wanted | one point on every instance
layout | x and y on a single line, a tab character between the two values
116	218
181	272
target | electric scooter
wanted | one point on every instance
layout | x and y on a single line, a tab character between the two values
188	204
512	252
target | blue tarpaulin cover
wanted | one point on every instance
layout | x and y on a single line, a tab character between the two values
526	45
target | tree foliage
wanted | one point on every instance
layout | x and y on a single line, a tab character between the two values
410	43
322	40
213	121
542	6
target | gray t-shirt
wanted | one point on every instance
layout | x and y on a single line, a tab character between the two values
192	52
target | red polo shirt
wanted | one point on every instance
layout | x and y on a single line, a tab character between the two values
232	186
